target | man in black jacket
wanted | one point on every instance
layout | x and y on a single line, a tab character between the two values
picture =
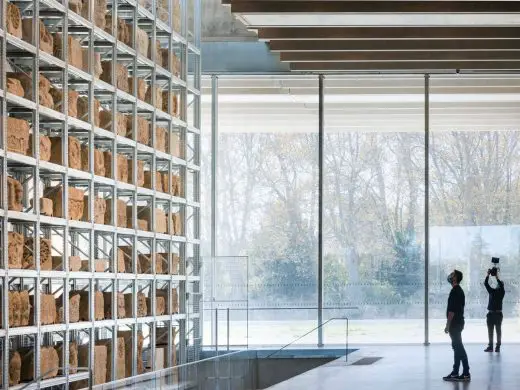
494	316
454	326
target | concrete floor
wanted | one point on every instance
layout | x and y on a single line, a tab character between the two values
413	368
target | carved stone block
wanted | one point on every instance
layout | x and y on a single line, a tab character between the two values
49	363
121	213
161	135
45	147
75	52
120	258
142	309
161	263
43	88
83	111
15	307
120	358
14	20
158	52
14	86
45	206
100	208
100	362
172	100
141	41
45	254
176	185
146	264
75	202
46	39
177	224
143	130
142	86
100	265
100	10
173	260
74	151
98	69
14	194
48	309
121	313
75	6
122	166
124	254
15	367
152	89
73	356
74	305
99	305
158	181
142	224
160	306
174	305
17	135
121	79
123	29
121	125
25	311
57	97
15	250
140	172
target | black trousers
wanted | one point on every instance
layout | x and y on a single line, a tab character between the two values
494	320
459	353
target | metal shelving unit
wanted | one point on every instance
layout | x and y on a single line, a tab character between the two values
170	65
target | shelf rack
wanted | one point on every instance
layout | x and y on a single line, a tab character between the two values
172	29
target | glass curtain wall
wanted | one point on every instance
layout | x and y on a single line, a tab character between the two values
373	205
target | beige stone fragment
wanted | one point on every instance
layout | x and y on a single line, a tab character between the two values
100	208
17	135
15	367
98	69
161	135
121	312
46	39
74	263
127	335
177	224
74	151
158	180
83	111
175	145
75	6
14	86
152	89
122	166
121	79
142	86
45	147
73	356
121	213
74	306
100	361
121	125
120	358
158	52
14	20
123	29
15	309
160	306
100	10
46	206
14	194
142	224
49	363
43	88
57	97
143	130
45	254
174	305
142	309
75	52
75	207
140	172
141	41
15	249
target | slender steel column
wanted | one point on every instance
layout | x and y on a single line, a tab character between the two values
321	134
426	206
214	156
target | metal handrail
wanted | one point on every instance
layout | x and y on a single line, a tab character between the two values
315	329
42	376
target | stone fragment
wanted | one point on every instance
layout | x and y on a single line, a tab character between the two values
15	309
14	20
120	259
177	224
98	69
123	29
46	39
99	305
161	335
174	304
100	362
143	212
75	202
15	249
148	175
142	86
57	97
99	160
25	308
161	135
48	309
142	224
49	363
74	151
127	257
100	10
172	100
153	89
121	125
45	147
158	53
100	265
74	263
45	254
74	305
100	207
73	356
170	263
17	135
143	130
127	335
121	79
14	194
83	111
43	88
14	86
141	41
45	206
140	172
121	213
120	358
121	312
145	262
15	367
122	166
142	309
75	6
160	306
75	52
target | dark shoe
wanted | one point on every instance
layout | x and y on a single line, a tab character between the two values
497	349
464	378
489	349
452	377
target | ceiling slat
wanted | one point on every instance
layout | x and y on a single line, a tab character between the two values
386	33
368	6
404	66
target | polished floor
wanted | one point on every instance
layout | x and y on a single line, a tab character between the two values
412	368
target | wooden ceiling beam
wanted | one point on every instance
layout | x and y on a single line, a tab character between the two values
400	56
394	45
388	33
404	66
371	7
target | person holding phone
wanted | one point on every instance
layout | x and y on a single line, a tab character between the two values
494	316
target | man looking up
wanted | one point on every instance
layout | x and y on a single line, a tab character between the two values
454	326
494	316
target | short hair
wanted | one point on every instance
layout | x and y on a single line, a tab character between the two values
459	275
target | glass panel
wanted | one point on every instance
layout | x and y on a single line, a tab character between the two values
474	196
374	209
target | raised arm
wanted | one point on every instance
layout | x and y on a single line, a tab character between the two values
486	283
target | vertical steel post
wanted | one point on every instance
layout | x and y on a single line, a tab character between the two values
426	205
321	136
214	157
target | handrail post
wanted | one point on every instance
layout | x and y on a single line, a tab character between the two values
216	330
228	329
346	341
